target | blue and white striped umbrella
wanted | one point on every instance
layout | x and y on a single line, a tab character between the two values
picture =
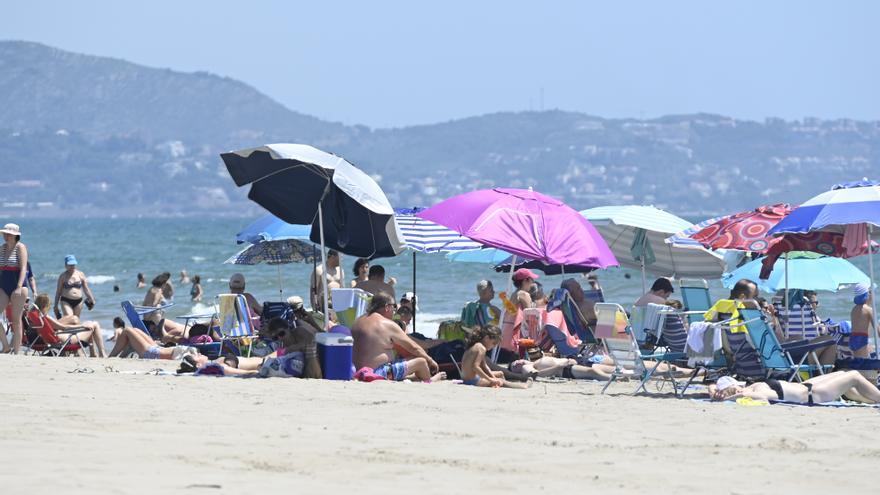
428	237
845	204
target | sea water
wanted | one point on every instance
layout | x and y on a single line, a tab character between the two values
111	252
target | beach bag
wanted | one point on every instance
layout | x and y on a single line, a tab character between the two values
281	310
290	365
451	330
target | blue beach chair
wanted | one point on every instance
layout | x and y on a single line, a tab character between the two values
695	298
775	356
135	314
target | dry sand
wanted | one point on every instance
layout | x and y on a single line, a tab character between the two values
107	432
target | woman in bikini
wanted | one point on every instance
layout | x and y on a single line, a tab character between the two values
474	368
146	347
823	388
91	333
361	271
72	290
13	273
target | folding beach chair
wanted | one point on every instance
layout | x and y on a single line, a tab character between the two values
799	322
614	328
236	325
695	298
778	357
135	314
708	358
48	341
574	319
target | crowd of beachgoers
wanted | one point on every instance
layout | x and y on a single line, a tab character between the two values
501	340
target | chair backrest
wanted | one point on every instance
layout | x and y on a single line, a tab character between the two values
235	319
764	340
617	337
673	335
695	297
532	323
798	322
637	321
43	327
134	317
594	295
557	336
574	319
746	362
349	304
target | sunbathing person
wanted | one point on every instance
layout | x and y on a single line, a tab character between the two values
297	345
91	334
146	347
822	388
562	367
474	367
375	338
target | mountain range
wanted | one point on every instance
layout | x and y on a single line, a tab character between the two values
86	135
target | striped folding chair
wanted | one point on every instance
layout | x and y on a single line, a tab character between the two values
800	322
617	336
236	325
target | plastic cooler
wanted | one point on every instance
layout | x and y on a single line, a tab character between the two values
349	304
335	355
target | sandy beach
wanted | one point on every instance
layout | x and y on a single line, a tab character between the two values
121	432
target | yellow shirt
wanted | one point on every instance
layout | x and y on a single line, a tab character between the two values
726	306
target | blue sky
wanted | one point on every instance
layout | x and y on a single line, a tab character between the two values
397	63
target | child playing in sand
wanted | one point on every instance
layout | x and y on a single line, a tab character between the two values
474	368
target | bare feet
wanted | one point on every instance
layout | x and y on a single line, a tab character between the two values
438	377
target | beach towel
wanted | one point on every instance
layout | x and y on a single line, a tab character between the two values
703	341
728	307
510	330
476	314
651	323
855	239
557	319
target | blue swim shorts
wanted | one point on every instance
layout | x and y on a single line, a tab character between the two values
857	341
395	371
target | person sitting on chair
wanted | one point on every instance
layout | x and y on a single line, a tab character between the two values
91	329
659	293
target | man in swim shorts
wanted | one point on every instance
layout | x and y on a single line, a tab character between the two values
863	322
377	336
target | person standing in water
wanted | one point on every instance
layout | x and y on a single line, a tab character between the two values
72	291
863	321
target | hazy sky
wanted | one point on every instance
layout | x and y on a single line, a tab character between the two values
395	63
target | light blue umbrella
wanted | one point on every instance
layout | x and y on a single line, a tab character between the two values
807	271
272	228
489	255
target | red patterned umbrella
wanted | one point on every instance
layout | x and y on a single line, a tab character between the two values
747	231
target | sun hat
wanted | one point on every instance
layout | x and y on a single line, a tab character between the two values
11	228
524	273
861	289
295	302
726	382
236	281
70	259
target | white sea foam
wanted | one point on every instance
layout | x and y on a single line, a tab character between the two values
198	259
427	324
201	308
100	279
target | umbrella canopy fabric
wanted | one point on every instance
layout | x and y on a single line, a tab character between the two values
293	180
845	204
501	261
683	239
524	223
274	253
428	237
620	225
807	271
271	228
744	231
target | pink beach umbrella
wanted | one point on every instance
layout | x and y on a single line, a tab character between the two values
525	223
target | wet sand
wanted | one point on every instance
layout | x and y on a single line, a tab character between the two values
109	432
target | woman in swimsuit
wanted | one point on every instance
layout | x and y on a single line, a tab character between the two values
474	368
361	271
92	333
823	388
146	347
72	286
13	272
195	293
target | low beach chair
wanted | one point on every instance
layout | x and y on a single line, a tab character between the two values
236	325
574	319
695	298
135	314
778	357
707	359
48	341
614	328
799	322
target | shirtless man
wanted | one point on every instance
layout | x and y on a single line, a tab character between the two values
659	293
375	337
375	282
335	280
863	322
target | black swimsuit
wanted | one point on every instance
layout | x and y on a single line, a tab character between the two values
776	387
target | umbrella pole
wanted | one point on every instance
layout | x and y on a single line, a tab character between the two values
785	332
280	285
415	297
644	279
871	272
323	267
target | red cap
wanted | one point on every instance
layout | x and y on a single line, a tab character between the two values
524	273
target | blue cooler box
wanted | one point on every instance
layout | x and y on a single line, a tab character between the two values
335	355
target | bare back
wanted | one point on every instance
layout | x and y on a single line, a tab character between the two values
376	286
374	338
862	319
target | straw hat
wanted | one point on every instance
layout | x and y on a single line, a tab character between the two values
10	228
